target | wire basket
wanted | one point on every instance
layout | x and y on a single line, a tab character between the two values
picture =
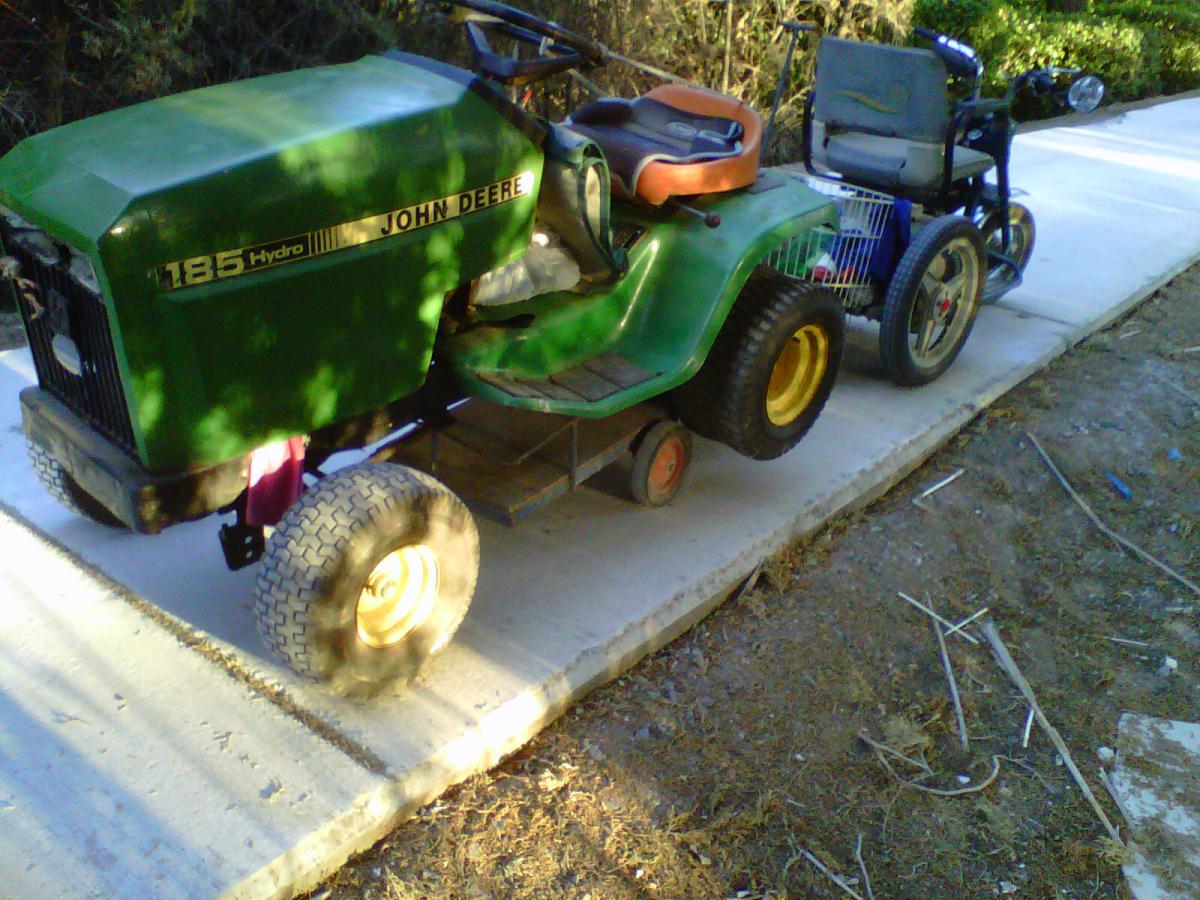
839	259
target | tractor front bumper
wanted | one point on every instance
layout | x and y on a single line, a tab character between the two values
145	502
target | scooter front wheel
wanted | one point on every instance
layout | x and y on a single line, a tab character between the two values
1022	234
932	301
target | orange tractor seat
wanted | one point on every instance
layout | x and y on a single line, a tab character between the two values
674	142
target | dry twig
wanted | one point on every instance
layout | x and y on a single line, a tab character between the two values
938	792
1117	640
929	612
746	586
862	867
801	853
958	710
1117	801
1004	658
967	621
884	748
1028	730
1182	392
1104	529
1021	764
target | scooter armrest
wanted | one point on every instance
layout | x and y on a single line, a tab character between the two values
972	110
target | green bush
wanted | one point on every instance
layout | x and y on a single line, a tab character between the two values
958	18
1174	25
1141	47
1013	39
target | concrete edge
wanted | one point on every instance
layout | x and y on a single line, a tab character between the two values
323	852
1138	297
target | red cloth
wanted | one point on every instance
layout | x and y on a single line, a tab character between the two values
276	480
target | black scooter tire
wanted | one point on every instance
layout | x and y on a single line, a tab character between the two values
904	294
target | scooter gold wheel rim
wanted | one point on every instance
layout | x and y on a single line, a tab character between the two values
945	303
398	596
797	374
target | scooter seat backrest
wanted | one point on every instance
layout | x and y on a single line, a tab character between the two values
879	89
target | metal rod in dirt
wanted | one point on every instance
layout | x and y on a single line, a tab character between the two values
1004	658
929	612
941	484
1104	529
958	710
653	70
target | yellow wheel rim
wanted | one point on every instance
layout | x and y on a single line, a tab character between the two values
797	375
398	596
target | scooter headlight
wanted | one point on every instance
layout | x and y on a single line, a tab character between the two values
1085	93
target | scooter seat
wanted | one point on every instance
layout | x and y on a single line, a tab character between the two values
674	142
897	164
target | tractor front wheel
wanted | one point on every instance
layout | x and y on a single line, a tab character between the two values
366	577
66	490
772	367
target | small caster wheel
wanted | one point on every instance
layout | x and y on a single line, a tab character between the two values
660	460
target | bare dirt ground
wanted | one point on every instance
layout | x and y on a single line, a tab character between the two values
705	769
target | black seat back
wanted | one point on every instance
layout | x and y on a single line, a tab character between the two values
574	201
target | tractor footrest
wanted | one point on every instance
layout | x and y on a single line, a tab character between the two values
595	380
508	463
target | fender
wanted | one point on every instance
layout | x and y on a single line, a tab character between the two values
660	319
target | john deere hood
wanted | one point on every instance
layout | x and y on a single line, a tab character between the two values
273	253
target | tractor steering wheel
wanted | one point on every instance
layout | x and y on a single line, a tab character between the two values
558	48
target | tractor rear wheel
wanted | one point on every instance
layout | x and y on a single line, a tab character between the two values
366	577
66	490
771	369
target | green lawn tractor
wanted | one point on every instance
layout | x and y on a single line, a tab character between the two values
225	288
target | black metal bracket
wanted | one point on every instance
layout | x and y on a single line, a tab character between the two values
242	544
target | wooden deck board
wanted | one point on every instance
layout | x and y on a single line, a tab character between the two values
484	456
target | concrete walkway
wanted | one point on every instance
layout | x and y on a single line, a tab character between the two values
566	600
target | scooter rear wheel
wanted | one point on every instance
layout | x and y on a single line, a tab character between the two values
932	301
1023	234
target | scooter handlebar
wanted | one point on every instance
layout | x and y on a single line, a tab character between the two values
961	60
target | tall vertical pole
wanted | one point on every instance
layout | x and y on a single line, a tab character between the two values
728	46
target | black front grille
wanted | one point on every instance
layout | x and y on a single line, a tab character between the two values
68	308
